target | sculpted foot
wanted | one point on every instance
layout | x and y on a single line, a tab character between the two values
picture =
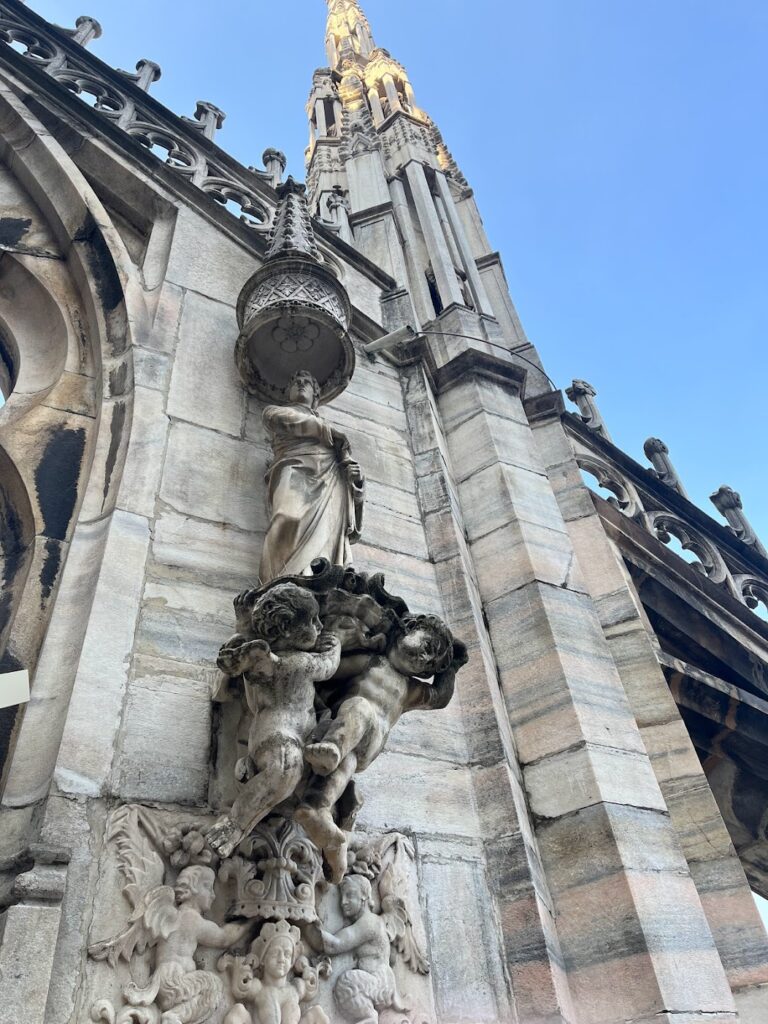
224	836
245	769
336	859
324	758
323	831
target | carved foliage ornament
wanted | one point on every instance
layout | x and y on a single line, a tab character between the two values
272	966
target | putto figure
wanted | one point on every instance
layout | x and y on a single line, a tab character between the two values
279	661
274	980
315	490
172	920
370	986
375	691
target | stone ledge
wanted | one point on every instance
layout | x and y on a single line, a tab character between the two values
473	363
542	408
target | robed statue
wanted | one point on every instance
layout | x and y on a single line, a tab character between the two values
315	490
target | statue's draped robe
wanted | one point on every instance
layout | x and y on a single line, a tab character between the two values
315	512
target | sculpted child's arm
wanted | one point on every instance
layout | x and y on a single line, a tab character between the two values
323	662
437	695
240	655
216	937
431	696
352	665
346	940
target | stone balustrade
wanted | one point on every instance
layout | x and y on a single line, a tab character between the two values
184	144
655	500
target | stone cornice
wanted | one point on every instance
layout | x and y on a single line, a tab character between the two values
475	363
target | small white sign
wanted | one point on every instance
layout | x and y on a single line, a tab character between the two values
14	688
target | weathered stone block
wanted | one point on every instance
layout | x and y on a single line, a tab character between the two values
165	740
211	476
205	386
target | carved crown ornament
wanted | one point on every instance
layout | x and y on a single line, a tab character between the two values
293	313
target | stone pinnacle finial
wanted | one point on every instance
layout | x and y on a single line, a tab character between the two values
86	29
658	455
583	396
728	504
274	163
292	233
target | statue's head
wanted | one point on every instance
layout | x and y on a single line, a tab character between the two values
287	617
276	949
422	646
355	893
304	390
196	884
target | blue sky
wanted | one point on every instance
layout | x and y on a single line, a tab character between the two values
619	155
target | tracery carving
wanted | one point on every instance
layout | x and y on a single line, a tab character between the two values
625	497
710	563
753	591
172	139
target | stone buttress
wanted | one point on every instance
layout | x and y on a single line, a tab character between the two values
557	832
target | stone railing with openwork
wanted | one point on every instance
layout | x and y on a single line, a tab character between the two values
731	556
184	144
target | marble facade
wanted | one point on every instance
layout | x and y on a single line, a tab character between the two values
559	827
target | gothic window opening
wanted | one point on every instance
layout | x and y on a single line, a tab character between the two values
434	294
8	370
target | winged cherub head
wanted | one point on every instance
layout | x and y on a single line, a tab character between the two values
195	885
422	646
356	895
288	618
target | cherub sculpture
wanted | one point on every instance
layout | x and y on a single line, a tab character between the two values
376	690
172	921
281	657
362	992
263	981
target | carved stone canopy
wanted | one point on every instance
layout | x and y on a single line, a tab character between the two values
293	313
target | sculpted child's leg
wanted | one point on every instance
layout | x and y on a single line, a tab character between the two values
279	770
315	815
354	718
238	1015
355	992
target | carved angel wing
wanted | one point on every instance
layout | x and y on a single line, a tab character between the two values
398	922
155	917
154	914
136	839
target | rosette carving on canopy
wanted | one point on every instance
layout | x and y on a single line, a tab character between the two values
293	313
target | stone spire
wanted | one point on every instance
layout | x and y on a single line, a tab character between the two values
292	233
348	34
380	176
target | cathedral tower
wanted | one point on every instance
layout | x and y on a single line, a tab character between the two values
476	736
